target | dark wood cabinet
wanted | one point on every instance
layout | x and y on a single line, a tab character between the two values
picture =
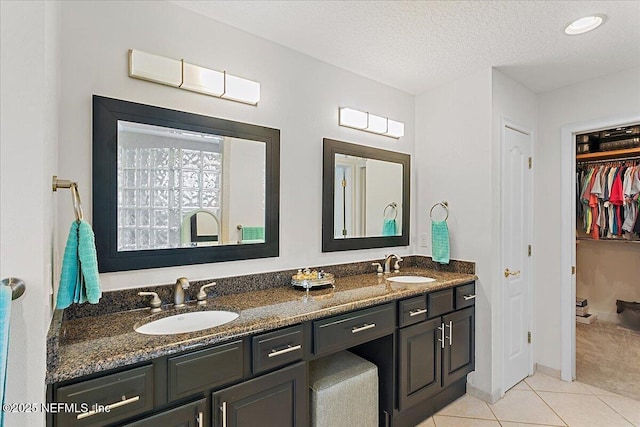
193	414
434	356
278	399
420	375
458	353
423	347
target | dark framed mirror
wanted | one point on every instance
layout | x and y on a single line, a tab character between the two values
175	188
365	197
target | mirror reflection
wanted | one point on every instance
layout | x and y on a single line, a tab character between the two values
368	200
365	197
179	188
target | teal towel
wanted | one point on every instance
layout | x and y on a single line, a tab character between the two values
79	279
253	233
5	316
389	227
440	241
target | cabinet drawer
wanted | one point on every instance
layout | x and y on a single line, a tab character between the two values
344	331
192	414
127	393
439	303
277	348
204	369
412	310
465	296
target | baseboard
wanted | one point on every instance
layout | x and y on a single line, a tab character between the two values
490	398
607	316
550	372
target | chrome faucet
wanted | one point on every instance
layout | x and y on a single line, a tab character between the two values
387	264
178	294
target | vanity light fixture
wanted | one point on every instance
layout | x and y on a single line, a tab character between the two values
351	118
184	75
583	25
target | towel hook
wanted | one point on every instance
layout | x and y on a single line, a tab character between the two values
75	194
392	205
445	206
17	286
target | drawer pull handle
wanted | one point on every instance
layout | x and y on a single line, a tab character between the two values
468	297
289	349
450	326
417	312
200	419
223	408
111	406
441	339
355	330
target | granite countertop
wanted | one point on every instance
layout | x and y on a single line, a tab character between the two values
82	346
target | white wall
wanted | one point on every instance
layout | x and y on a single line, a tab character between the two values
605	98
453	158
28	158
300	96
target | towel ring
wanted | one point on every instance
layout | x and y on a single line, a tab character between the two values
75	194
445	206
394	206
77	204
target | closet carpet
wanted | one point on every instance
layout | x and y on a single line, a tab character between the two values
608	357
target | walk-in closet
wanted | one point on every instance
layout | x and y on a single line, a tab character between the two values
608	259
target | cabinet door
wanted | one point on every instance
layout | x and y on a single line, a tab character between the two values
419	359
278	399
458	355
190	415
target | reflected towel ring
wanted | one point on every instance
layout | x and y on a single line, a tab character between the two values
394	206
445	206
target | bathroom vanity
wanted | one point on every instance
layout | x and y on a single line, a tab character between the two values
253	370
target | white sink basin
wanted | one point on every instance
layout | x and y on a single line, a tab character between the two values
187	322
411	279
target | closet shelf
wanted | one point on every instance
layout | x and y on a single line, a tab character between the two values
620	240
603	155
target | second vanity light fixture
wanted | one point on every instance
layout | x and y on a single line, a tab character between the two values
183	75
368	122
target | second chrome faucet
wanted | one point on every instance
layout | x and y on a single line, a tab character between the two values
387	263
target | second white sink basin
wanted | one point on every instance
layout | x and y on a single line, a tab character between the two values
411	279
187	322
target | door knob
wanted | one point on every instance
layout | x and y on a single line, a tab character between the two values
508	273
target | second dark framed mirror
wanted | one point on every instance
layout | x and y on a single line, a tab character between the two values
365	197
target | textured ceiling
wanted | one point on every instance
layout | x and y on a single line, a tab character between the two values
418	45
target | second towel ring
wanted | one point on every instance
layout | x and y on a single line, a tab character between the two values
392	205
445	206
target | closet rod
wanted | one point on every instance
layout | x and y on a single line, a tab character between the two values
619	159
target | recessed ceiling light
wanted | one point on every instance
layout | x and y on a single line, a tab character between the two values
582	25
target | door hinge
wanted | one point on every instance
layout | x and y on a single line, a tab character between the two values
530	162
344	183
529	250
573	270
529	337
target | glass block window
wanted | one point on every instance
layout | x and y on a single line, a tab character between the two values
158	187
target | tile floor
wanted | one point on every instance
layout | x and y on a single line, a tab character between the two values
542	401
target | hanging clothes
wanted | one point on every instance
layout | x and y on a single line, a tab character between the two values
608	199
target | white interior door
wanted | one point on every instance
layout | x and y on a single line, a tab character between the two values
516	237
